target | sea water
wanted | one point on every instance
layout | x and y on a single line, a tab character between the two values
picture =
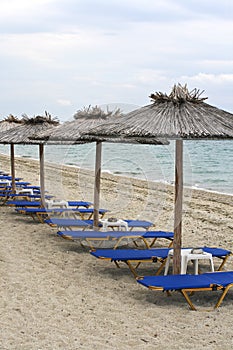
207	164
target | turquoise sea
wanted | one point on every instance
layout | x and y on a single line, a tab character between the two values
207	164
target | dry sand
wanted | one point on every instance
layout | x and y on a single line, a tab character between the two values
55	295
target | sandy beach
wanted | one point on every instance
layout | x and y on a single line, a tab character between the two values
55	295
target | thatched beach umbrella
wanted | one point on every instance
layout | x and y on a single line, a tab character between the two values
181	115
7	124
85	120
22	134
72	131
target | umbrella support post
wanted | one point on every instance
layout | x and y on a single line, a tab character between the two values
178	207
97	184
42	184
13	168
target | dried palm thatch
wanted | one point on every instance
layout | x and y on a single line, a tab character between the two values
12	119
85	120
47	118
182	114
9	122
28	127
96	113
180	94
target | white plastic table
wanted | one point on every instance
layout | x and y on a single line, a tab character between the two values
56	204
121	224
186	256
5	182
24	191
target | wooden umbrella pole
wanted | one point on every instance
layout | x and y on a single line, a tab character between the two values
42	184
97	184
178	207
13	168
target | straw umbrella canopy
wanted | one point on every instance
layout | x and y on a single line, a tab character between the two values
7	124
71	131
21	134
181	115
85	120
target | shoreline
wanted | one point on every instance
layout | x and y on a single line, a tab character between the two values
193	187
106	173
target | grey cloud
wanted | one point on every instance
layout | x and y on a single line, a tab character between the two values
112	15
132	50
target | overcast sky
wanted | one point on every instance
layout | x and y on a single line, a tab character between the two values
62	55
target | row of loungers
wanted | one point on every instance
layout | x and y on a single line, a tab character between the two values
80	209
117	238
37	204
216	281
27	190
87	224
186	283
183	283
134	257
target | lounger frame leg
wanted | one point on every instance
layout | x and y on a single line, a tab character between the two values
117	264
151	244
132	269
41	217
223	262
33	217
224	293
138	263
184	293
163	262
192	290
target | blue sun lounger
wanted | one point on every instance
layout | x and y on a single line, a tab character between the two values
154	235
7	190
78	204
9	177
18	184
23	203
22	196
39	204
21	183
9	196
6	184
43	214
69	223
32	187
139	223
137	256
116	237
211	281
